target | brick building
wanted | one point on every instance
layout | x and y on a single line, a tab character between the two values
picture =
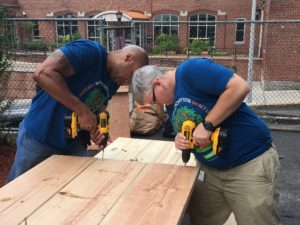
276	46
173	10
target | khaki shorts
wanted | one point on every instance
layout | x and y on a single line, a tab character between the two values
250	191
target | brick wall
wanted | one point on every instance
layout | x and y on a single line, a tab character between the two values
230	10
20	86
239	65
281	61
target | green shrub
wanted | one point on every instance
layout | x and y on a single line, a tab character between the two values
165	43
53	46
36	45
198	46
5	68
63	39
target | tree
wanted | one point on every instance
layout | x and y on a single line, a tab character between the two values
5	68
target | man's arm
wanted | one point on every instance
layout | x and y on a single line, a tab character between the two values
50	76
234	94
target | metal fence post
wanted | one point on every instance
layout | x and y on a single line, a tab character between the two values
251	50
133	33
101	32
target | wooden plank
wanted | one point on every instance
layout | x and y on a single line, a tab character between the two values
22	196
123	88
118	109
89	197
143	150
159	196
124	149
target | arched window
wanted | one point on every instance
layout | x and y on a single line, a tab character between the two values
164	27
67	30
200	28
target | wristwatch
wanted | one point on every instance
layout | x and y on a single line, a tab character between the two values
208	125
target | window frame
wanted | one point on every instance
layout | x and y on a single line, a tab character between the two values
202	23
164	24
66	24
95	26
36	30
240	20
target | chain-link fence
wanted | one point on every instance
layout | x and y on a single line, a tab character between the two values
271	64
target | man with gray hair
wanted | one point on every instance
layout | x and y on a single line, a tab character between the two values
243	178
79	77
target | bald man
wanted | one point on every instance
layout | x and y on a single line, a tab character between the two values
79	77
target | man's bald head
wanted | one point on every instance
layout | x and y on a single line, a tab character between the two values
139	53
123	63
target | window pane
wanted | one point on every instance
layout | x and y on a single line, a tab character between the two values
201	32
157	18
166	30
174	30
60	30
157	31
239	36
240	26
174	18
91	31
210	31
67	30
193	32
74	30
211	18
194	18
202	17
166	17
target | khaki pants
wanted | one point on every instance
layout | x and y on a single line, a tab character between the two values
250	191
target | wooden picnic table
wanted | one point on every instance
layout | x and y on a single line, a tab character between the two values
137	182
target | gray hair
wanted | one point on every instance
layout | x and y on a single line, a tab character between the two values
142	81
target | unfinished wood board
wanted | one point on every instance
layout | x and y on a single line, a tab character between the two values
160	196
144	150
22	196
81	190
90	196
118	109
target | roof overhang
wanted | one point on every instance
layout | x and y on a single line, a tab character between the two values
111	16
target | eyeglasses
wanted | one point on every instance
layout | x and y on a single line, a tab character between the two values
153	95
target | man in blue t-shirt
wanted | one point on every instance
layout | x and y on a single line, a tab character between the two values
79	77
243	178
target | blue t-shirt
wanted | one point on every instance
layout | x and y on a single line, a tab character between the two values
199	83
91	83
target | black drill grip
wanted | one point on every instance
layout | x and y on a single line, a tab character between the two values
186	154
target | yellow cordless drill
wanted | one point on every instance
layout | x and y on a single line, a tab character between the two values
218	138
72	127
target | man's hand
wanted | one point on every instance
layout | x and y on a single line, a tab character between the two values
181	142
86	119
201	136
98	138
